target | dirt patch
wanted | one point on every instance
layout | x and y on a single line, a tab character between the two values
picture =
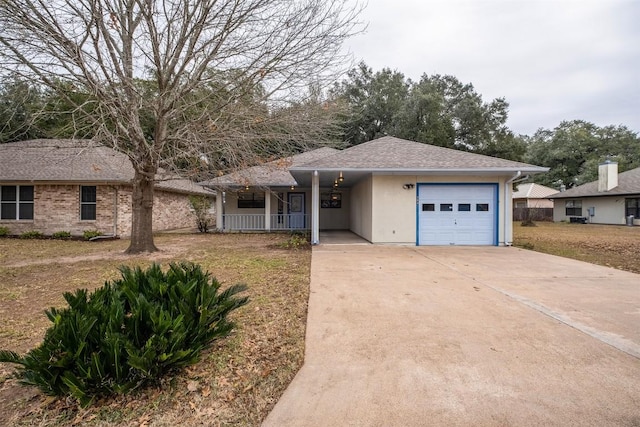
237	381
609	245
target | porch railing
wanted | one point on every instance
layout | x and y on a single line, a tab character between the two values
290	222
255	222
243	222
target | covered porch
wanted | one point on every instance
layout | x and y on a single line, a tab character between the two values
253	208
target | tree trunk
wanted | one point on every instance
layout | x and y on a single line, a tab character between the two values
142	214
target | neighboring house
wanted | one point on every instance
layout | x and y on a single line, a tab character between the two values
388	190
70	185
609	200
533	195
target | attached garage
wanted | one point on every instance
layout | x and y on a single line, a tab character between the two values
457	214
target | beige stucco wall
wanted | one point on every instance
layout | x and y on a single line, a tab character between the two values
57	208
336	218
360	217
393	209
609	210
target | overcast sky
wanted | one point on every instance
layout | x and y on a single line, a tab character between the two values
552	60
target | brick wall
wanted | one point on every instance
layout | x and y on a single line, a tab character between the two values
170	211
57	208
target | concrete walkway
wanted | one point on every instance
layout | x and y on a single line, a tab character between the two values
459	336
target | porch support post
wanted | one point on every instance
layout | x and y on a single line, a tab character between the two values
219	210
267	210
315	208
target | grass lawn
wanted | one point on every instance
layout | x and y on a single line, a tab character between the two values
610	245
237	382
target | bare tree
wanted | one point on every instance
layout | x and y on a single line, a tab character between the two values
213	79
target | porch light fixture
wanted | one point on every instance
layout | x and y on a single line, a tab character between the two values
408	186
246	187
335	183
340	178
293	187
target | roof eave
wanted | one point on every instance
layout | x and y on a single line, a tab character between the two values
428	171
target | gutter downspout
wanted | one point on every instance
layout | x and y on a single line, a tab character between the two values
115	211
508	232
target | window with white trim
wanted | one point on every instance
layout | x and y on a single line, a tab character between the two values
250	200
632	207
88	202
573	208
16	202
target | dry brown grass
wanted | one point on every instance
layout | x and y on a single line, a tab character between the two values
610	245
237	382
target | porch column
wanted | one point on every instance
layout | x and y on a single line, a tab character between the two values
219	210
315	208
267	210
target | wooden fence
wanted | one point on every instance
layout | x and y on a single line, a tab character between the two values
534	214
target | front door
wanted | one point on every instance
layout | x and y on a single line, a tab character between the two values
296	211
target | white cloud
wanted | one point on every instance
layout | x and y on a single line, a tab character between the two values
552	60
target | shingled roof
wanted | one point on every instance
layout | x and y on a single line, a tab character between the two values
628	183
74	161
271	174
533	191
390	154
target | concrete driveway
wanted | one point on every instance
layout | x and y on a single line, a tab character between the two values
420	336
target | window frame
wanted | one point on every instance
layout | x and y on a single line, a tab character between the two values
251	203
573	207
20	203
84	203
632	210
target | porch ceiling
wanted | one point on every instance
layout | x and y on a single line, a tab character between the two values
327	178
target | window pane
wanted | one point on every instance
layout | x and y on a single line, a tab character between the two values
88	194
88	212
251	200
26	193
428	207
482	207
8	211
9	193
464	207
573	211
26	210
446	207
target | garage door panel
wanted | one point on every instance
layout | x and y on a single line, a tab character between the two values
462	214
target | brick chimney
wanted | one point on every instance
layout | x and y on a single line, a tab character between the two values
607	176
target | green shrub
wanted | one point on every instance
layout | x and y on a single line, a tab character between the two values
90	234
201	206
4	231
61	235
129	332
33	234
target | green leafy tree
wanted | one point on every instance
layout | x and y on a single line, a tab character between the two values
574	149
19	104
373	101
438	110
